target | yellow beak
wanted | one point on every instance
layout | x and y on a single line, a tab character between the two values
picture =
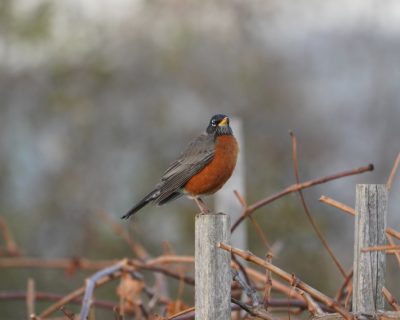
224	122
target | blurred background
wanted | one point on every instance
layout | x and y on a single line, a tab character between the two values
98	97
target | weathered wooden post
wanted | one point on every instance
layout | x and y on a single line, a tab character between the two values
369	266
212	267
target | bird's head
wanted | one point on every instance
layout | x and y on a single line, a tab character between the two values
219	125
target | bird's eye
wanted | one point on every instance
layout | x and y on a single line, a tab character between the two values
213	123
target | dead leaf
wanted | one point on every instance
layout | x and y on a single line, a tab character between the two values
129	291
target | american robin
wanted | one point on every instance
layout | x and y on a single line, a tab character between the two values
202	169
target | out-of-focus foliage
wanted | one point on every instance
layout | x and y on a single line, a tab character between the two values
33	25
97	98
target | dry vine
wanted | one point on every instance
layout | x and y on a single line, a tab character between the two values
299	295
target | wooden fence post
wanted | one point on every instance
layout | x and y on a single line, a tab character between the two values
213	275
369	267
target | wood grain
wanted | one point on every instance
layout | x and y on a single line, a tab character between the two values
212	267
369	267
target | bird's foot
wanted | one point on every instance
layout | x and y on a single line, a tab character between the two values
202	206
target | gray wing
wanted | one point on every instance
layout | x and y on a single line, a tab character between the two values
197	155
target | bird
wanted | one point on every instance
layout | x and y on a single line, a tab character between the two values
201	169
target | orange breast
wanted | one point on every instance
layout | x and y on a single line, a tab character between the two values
213	176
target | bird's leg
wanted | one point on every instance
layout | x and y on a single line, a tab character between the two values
202	206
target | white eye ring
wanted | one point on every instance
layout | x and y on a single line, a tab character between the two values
213	123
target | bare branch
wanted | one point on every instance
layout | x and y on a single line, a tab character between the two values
387	248
393	173
67	313
393	233
312	221
47	296
166	271
30	297
181	313
93	281
66	264
136	248
290	278
170	259
255	311
256	226
268	283
345	285
391	242
338	205
11	246
73	295
312	306
249	290
296	187
389	297
240	198
277	285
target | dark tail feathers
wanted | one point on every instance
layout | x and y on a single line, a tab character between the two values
140	204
